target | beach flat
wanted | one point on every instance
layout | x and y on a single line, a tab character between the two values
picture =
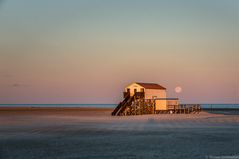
94	133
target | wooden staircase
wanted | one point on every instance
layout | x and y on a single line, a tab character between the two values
122	105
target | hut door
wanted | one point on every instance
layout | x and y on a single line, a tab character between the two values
128	90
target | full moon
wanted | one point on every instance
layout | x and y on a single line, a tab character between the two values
178	89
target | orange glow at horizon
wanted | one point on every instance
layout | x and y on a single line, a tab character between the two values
87	52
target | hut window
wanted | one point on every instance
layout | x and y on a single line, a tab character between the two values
135	90
128	90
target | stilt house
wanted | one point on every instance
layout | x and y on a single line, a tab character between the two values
146	98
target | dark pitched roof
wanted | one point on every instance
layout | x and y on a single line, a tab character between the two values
150	85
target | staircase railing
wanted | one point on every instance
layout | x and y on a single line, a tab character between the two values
123	106
115	112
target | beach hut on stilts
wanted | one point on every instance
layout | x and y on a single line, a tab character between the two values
150	98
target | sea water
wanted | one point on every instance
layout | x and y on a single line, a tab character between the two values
61	105
210	106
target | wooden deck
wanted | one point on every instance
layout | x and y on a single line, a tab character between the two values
181	109
139	106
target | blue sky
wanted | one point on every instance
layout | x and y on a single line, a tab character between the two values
86	51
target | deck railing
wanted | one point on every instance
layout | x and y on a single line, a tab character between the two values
137	94
184	108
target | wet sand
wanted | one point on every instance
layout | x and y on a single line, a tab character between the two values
93	133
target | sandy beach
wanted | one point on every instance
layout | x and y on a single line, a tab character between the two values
94	133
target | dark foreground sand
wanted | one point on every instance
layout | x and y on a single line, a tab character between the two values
93	133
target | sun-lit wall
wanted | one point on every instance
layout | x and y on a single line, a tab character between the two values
160	105
155	93
134	86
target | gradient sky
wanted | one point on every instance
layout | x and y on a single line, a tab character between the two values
58	51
